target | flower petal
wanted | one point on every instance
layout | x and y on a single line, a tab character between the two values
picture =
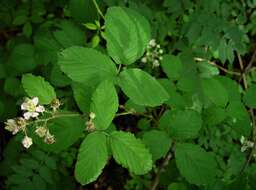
35	100
24	106
40	109
27	115
34	114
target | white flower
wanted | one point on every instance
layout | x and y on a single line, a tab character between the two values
152	42
15	125
12	126
27	142
32	108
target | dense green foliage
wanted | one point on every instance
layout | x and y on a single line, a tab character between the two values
114	94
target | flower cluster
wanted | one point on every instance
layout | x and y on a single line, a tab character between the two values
31	112
153	54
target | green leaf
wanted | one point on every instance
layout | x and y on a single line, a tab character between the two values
46	174
177	186
127	34
250	96
46	47
82	94
69	34
130	152
225	52
66	130
176	100
22	58
91	26
206	70
95	41
27	29
13	83
214	115
232	87
158	143
195	164
104	105
92	158
36	86
181	124
215	92
39	183
86	65
131	106
20	19
83	11
172	66
142	88
58	78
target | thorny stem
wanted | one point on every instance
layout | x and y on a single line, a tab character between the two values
251	114
199	59
98	9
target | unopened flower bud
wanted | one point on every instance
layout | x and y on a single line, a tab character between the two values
90	127
144	60
152	42
55	104
92	115
156	63
41	131
27	142
49	138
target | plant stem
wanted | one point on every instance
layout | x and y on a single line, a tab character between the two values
248	67
161	169
54	117
242	70
218	66
98	9
251	114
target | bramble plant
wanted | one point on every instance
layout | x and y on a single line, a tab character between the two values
128	95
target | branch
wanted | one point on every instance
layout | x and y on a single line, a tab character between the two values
218	66
242	71
250	111
161	169
251	62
